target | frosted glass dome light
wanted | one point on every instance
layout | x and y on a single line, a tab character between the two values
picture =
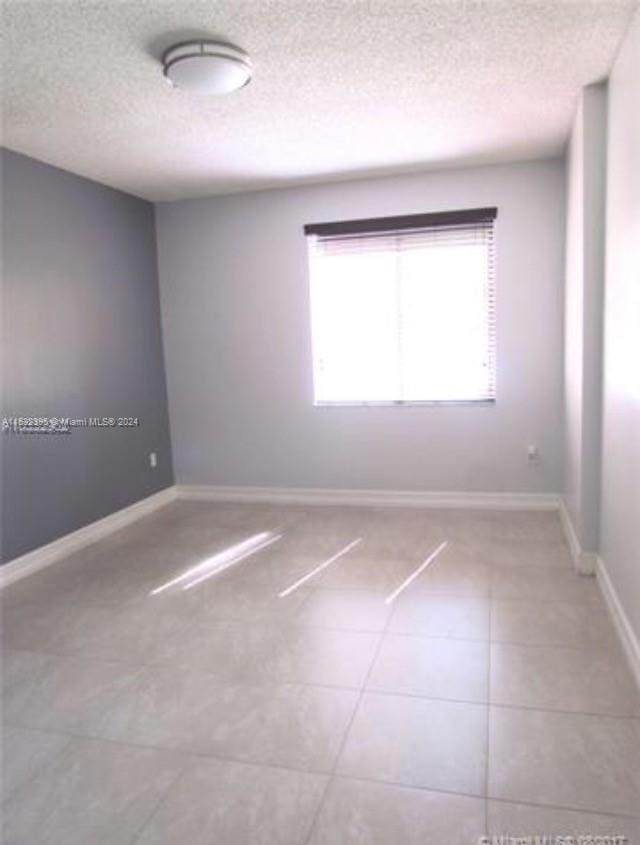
207	67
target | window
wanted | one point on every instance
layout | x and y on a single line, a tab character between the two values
402	309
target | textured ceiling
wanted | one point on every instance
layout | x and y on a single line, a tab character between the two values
341	87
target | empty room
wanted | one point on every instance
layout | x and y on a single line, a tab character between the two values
320	449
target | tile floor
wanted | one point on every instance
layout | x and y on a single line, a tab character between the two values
147	700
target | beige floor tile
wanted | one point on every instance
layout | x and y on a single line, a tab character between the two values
349	610
431	667
236	804
229	670
57	583
550	623
221	559
37	625
418	742
274	570
526	526
521	820
534	554
318	545
454	575
407	535
371	573
398	543
569	679
230	596
169	707
458	552
284	725
25	753
384	521
575	761
73	695
136	633
544	583
356	812
20	671
94	792
471	527
129	582
143	550
225	515
317	656
462	617
234	651
256	653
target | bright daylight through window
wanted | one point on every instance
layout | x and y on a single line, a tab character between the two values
402	309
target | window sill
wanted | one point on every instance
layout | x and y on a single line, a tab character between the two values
403	403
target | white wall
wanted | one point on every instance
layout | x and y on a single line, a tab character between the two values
234	297
620	528
573	319
584	281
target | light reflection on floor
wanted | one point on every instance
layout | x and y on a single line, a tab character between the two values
222	560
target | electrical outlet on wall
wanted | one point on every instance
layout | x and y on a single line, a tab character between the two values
533	454
153	459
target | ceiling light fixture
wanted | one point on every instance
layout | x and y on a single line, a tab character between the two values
207	67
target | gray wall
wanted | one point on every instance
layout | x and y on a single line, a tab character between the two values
584	283
233	278
620	530
81	337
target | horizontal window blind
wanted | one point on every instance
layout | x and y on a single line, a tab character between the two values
404	314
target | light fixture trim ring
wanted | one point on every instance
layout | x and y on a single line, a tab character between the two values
203	48
201	43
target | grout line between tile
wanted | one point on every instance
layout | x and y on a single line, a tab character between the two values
69	739
489	598
226	759
594	646
488	731
347	731
138	668
160	802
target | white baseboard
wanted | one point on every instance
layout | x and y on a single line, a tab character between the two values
393	498
584	562
43	556
627	635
